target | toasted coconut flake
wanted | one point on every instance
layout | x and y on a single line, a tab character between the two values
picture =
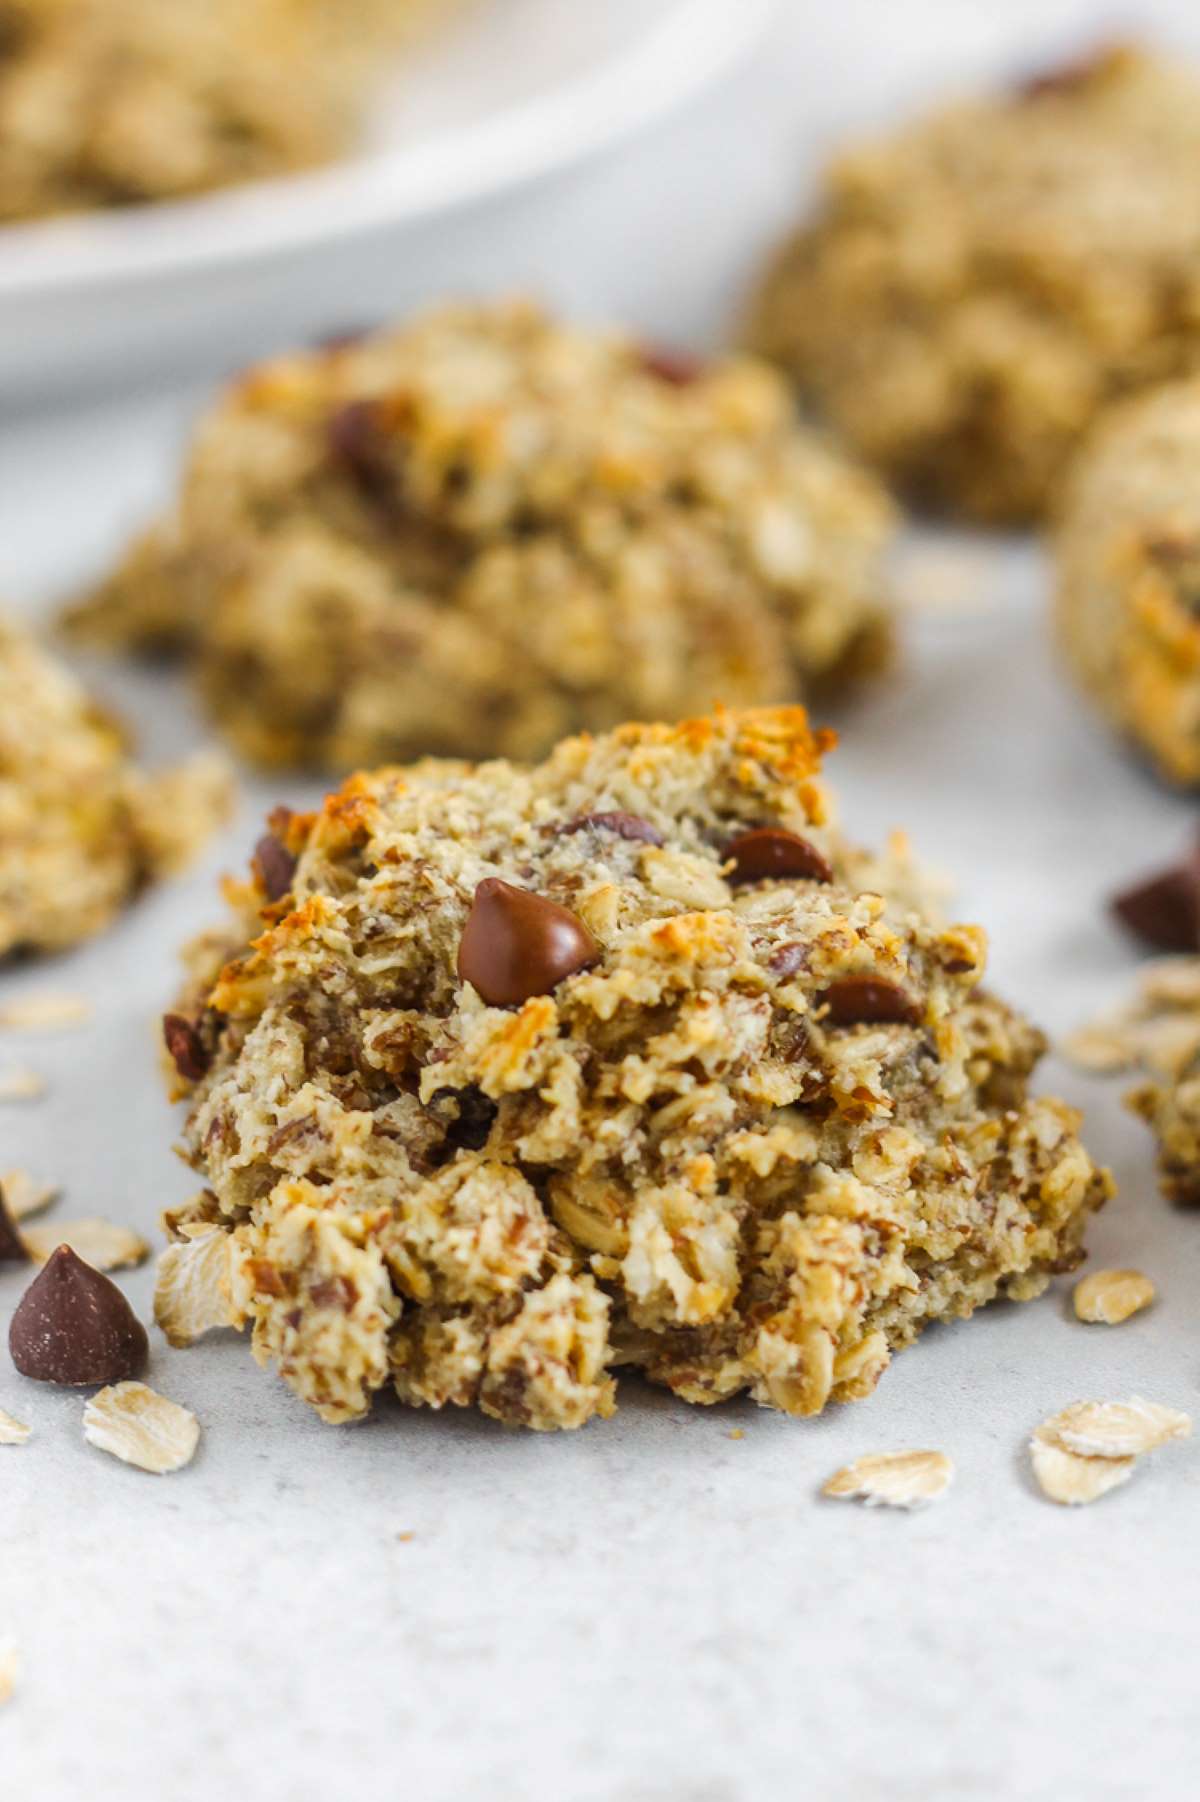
1107	1297
141	1427
38	1013
1115	1429
1065	1477
10	1668
21	1085
894	1479
101	1243
12	1431
191	1292
24	1195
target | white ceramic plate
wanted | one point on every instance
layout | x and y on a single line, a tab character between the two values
505	91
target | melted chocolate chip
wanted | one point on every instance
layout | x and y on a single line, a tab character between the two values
768	853
516	944
73	1326
1164	911
625	825
678	367
12	1246
869	1000
275	866
185	1047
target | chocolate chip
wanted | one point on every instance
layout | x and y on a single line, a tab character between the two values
516	944
1073	76
476	1112
344	339
769	853
185	1047
863	1000
73	1326
625	825
275	866
334	1292
12	1246
678	367
1164	911
788	959
355	440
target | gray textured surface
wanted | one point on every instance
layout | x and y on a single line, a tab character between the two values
647	1611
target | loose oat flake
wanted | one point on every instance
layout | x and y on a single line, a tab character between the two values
191	1292
21	1085
141	1427
100	1243
23	1194
1107	1297
1115	1429
9	1670
12	1431
893	1479
45	1012
1065	1477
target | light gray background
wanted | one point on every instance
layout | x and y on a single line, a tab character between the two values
649	1610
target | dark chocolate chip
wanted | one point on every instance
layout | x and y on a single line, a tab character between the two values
678	367
788	959
1164	911
334	1292
356	441
344	339
625	825
516	944
869	1000
768	853
73	1326
12	1246
185	1047
275	866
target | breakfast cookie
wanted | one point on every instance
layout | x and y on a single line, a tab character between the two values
483	530
81	828
1128	556
975	287
109	102
504	1078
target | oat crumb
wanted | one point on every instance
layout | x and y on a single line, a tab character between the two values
141	1427
38	1013
893	1479
1107	1297
12	1431
21	1085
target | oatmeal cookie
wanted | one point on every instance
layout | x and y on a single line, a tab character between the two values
483	530
504	1078
1128	555
974	288
81	828
107	102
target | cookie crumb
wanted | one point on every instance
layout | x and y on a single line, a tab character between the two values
737	1433
893	1479
12	1431
100	1243
139	1426
406	1538
39	1013
1107	1297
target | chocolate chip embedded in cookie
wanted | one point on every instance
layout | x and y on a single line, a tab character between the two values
481	530
972	289
516	945
506	1106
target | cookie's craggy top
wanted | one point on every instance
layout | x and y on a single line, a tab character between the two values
483	530
763	1133
1128	557
975	287
107	102
82	829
